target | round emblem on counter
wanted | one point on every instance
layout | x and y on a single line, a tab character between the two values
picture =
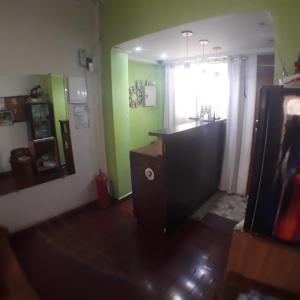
149	174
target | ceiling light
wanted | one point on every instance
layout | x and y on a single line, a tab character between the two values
164	56
186	33
138	49
203	42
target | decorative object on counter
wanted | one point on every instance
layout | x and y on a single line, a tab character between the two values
293	80
297	65
142	92
36	92
37	95
206	112
6	118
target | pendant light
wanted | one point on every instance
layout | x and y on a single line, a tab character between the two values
203	43
216	49
187	34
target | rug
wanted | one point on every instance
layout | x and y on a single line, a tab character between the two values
232	207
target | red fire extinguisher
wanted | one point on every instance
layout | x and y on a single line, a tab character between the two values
102	191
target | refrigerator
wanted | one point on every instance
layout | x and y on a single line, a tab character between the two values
273	208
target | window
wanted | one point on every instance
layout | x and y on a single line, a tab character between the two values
198	85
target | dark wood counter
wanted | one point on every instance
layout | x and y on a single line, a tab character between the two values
179	128
186	163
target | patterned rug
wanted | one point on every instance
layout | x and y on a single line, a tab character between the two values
232	207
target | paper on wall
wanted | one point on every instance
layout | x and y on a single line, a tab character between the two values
81	116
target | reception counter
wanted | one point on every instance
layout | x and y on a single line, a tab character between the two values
176	174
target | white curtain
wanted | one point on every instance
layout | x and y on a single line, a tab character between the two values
190	87
241	109
230	88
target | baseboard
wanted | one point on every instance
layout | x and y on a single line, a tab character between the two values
113	202
54	219
116	201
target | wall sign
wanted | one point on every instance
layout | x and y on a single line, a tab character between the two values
142	93
81	116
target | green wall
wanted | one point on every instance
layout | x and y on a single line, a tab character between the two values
54	85
118	25
144	119
59	109
119	69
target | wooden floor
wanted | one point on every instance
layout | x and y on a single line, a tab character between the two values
96	254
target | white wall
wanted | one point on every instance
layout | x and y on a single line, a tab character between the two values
18	85
14	136
40	37
11	137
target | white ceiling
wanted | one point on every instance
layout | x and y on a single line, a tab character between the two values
236	34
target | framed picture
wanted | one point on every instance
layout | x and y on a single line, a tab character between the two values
6	118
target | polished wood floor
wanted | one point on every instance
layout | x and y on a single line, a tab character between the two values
94	254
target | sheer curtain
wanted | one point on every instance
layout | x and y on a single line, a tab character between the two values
188	87
242	77
230	89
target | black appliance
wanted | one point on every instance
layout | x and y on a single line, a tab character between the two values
274	199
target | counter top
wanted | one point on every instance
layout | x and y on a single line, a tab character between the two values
181	127
149	150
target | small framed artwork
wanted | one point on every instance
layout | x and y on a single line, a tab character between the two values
6	118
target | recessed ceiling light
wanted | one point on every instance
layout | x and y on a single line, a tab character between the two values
138	49
186	33
164	56
203	42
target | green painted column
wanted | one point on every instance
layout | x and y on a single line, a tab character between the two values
144	119
54	85
59	109
119	76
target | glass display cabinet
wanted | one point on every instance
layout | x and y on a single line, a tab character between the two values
40	120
